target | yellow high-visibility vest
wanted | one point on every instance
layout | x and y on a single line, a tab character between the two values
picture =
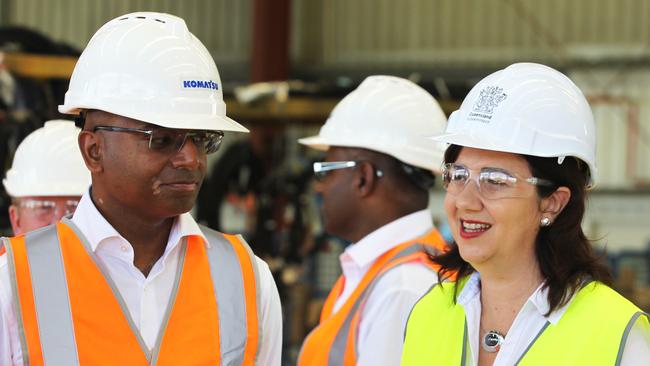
592	331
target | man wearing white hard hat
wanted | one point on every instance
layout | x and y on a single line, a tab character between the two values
47	177
131	278
375	183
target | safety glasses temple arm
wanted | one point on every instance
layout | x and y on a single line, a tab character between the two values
332	165
539	181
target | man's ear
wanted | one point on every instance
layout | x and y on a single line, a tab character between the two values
553	205
90	145
14	218
365	179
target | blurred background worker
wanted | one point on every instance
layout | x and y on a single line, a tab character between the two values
132	271
530	288
375	185
47	177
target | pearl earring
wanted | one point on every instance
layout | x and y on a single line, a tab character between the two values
545	222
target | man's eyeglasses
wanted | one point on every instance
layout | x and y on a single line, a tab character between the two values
322	167
167	140
46	209
492	183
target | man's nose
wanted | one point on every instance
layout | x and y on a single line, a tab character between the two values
189	155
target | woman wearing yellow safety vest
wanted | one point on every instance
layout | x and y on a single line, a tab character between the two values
529	289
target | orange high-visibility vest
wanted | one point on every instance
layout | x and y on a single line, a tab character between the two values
333	341
70	312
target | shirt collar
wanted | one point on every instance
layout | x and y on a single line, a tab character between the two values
538	299
96	228
378	242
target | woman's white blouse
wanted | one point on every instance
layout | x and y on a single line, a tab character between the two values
530	321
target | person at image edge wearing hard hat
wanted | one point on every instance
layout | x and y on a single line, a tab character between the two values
131	278
375	185
47	177
530	290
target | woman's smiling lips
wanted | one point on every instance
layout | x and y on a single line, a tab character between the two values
471	229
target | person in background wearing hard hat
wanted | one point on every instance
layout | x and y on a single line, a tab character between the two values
375	185
47	177
131	278
530	290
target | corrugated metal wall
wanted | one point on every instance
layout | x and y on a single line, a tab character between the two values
224	26
620	99
405	33
462	33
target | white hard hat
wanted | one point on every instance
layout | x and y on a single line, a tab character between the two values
149	67
528	109
390	115
48	163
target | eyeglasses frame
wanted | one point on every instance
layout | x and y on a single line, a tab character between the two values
536	181
150	133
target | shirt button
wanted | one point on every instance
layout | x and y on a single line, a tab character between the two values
124	248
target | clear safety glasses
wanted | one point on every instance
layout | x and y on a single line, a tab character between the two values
321	168
168	140
492	183
46	209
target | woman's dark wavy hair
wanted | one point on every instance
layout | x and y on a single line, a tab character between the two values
564	253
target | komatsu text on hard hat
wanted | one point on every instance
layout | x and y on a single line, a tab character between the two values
200	84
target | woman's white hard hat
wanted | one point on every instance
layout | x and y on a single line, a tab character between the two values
528	109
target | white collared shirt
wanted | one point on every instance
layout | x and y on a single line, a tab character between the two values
529	323
383	319
146	297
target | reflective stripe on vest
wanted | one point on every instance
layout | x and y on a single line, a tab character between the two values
333	341
592	331
70	312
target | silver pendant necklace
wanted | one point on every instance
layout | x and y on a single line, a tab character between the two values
492	341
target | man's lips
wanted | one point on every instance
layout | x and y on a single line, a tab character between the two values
181	186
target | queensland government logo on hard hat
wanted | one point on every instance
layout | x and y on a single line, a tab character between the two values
488	99
199	84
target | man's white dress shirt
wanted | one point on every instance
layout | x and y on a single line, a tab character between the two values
146	297
383	319
530	321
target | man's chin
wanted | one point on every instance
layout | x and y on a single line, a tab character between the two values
178	208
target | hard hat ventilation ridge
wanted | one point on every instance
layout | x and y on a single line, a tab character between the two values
143	17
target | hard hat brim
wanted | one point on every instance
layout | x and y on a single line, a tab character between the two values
429	159
464	140
189	122
315	142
